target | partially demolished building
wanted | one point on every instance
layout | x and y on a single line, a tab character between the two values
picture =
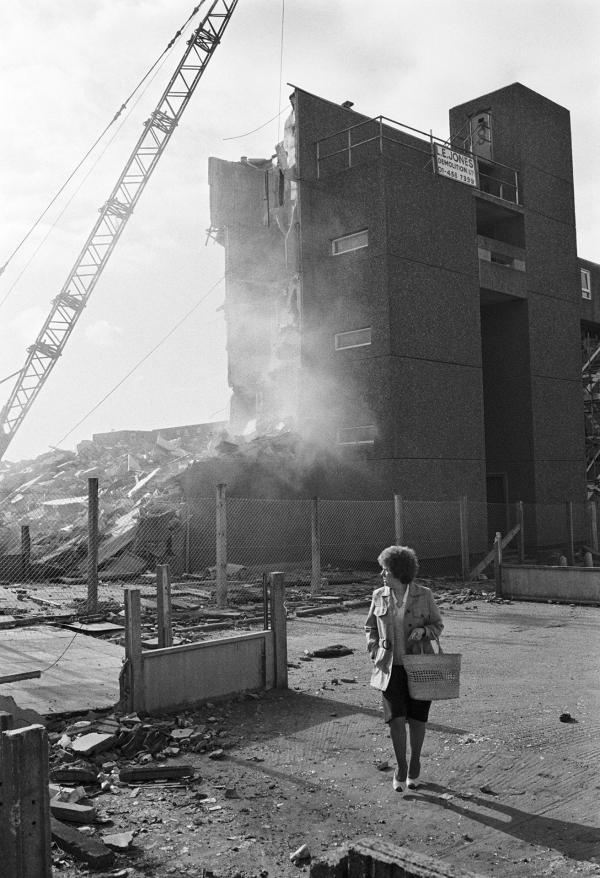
415	304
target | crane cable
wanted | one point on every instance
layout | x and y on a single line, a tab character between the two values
143	360
123	106
75	192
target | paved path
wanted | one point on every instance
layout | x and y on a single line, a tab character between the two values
523	665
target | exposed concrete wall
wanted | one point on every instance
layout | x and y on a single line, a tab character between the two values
578	585
178	676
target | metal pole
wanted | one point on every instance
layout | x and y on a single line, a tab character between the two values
464	537
92	559
570	538
498	564
594	524
163	605
279	626
187	538
398	520
221	572
25	552
521	521
315	539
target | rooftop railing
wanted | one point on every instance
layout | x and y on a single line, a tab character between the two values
382	135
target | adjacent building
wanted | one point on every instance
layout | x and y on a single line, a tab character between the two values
416	304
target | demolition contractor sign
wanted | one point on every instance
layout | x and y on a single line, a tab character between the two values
456	165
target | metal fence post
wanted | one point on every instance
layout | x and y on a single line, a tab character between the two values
221	571
498	563
315	539
463	511
163	605
398	520
187	537
25	552
521	522
279	627
92	555
570	538
593	518
24	803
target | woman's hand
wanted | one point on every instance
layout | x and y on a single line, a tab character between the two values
417	634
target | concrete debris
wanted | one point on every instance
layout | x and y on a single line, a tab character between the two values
119	841
303	853
90	850
72	812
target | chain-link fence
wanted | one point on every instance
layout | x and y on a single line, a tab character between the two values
223	545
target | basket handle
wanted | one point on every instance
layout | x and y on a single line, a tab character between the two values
440	650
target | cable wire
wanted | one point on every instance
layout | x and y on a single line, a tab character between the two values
254	130
281	68
78	189
123	106
143	360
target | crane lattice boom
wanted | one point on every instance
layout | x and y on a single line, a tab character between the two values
114	214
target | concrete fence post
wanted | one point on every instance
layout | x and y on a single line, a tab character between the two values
134	696
593	519
279	628
521	523
498	564
25	804
25	552
398	520
163	605
570	537
221	571
463	511
92	554
315	541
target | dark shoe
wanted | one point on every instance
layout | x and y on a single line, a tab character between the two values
396	782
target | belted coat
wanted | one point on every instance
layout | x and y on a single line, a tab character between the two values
420	611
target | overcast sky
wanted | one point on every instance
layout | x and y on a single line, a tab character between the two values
67	66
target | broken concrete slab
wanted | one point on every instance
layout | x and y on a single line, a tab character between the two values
72	812
80	846
118	841
139	773
94	742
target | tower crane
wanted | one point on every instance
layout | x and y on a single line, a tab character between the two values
113	216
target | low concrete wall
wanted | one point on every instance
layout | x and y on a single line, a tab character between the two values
178	676
573	585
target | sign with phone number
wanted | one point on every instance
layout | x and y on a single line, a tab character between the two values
456	165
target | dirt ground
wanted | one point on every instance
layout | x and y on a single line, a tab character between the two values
508	789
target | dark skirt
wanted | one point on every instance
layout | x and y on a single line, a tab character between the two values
397	701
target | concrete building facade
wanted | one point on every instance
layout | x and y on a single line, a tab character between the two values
415	304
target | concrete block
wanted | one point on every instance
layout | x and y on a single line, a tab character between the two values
86	745
332	864
72	812
382	859
80	846
73	774
138	773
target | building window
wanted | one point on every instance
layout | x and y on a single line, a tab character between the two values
357	338
356	435
586	283
350	242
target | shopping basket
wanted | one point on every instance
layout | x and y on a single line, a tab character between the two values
433	676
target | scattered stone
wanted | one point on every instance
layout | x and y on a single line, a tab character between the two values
334	651
488	790
216	754
567	718
119	841
302	853
383	766
72	812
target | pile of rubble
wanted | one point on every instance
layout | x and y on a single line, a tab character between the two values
140	501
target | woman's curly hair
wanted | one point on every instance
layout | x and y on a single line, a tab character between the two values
401	561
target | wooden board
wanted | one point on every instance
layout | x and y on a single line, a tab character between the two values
84	678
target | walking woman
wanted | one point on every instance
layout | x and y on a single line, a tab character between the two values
403	617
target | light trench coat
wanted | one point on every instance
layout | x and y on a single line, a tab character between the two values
421	611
